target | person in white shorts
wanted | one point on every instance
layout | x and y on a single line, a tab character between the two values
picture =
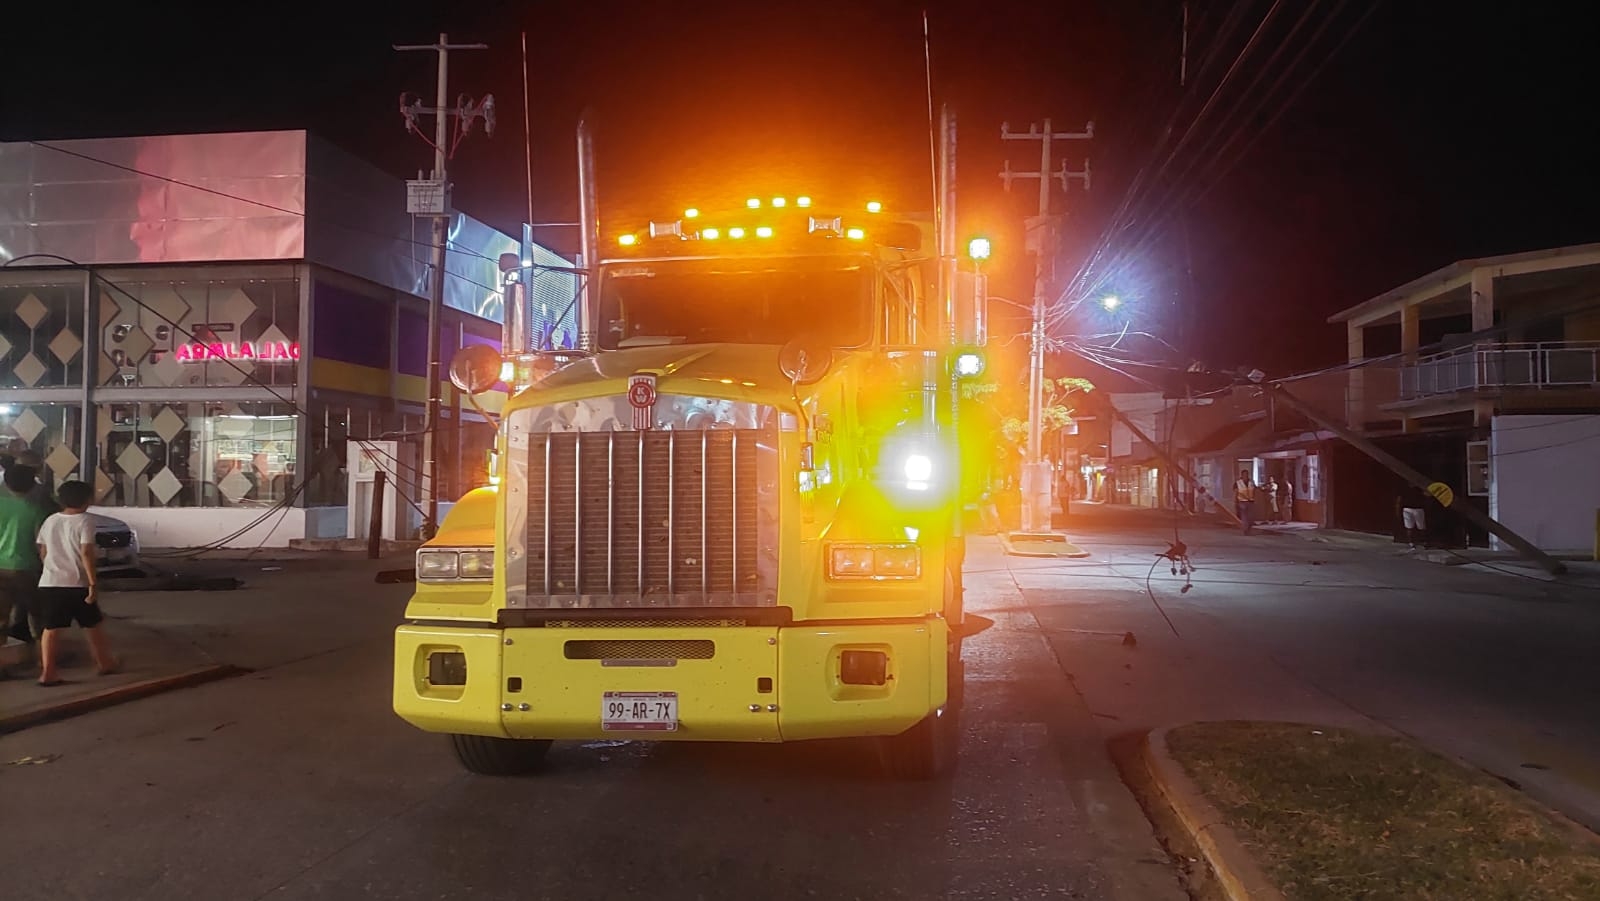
1412	516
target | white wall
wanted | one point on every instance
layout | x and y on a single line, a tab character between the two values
182	527
1545	479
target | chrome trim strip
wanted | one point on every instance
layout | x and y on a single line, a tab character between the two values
639	586
734	478
549	445
577	513
611	511
672	510
705	502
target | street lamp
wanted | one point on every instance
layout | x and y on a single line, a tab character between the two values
978	249
1110	302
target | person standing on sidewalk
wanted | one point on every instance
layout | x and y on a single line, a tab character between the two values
1412	515
1244	499
20	520
67	590
1286	502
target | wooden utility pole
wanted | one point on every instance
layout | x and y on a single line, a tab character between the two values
1440	491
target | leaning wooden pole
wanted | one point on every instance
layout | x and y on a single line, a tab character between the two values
1440	491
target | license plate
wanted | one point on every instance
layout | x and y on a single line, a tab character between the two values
639	711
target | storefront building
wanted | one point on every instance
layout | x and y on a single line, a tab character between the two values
201	325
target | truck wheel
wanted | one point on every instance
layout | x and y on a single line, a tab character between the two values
489	756
928	749
925	751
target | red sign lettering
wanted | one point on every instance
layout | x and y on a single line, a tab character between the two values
254	351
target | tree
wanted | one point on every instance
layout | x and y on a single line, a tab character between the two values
1056	413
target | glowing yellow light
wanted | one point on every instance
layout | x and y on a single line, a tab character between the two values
710	234
628	240
802	201
874	206
855	234
763	231
691	213
736	232
779	202
753	203
919	468
978	248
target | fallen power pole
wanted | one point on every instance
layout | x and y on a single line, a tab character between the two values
1170	461
1440	491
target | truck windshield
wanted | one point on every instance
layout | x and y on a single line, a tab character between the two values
741	301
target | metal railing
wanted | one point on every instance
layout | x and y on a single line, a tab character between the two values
1546	364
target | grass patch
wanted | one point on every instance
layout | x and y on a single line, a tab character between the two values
1334	814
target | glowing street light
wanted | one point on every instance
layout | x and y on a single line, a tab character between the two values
978	249
1110	302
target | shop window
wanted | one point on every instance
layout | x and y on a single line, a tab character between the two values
1309	486
52	431
194	334
41	335
1478	468
197	455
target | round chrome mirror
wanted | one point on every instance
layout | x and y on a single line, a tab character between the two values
475	368
805	360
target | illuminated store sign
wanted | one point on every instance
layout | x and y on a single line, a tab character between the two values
253	351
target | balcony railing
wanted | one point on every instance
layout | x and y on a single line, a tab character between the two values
1550	364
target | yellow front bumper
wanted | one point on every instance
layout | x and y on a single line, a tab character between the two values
758	683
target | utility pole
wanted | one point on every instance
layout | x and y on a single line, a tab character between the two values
430	197
1041	241
1440	491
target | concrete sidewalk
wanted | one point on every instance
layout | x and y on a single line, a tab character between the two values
289	605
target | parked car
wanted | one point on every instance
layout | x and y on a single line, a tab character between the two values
117	544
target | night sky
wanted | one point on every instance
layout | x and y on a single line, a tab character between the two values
1430	137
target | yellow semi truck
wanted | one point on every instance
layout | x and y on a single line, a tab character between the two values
732	515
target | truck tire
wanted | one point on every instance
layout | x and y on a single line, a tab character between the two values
923	752
928	749
489	756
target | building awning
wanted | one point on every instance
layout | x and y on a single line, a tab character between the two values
1240	431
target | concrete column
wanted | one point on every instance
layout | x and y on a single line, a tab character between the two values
1482	299
1410	329
1355	387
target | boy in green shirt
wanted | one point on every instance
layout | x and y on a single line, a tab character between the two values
20	518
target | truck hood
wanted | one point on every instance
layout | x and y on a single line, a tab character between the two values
746	372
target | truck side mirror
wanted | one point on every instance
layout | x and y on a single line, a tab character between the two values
475	369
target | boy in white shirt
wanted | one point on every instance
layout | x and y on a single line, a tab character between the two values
67	591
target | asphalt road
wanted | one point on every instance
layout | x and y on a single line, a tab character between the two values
1498	670
297	782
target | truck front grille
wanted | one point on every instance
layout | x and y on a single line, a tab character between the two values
667	518
640	649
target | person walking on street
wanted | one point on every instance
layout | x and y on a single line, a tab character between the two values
20	520
67	589
1244	499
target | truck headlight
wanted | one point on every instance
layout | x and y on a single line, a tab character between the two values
455	564
874	561
919	468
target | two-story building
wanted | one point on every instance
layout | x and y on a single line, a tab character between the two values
201	326
1485	375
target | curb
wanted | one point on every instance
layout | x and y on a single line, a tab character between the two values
1011	549
121	694
1237	873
